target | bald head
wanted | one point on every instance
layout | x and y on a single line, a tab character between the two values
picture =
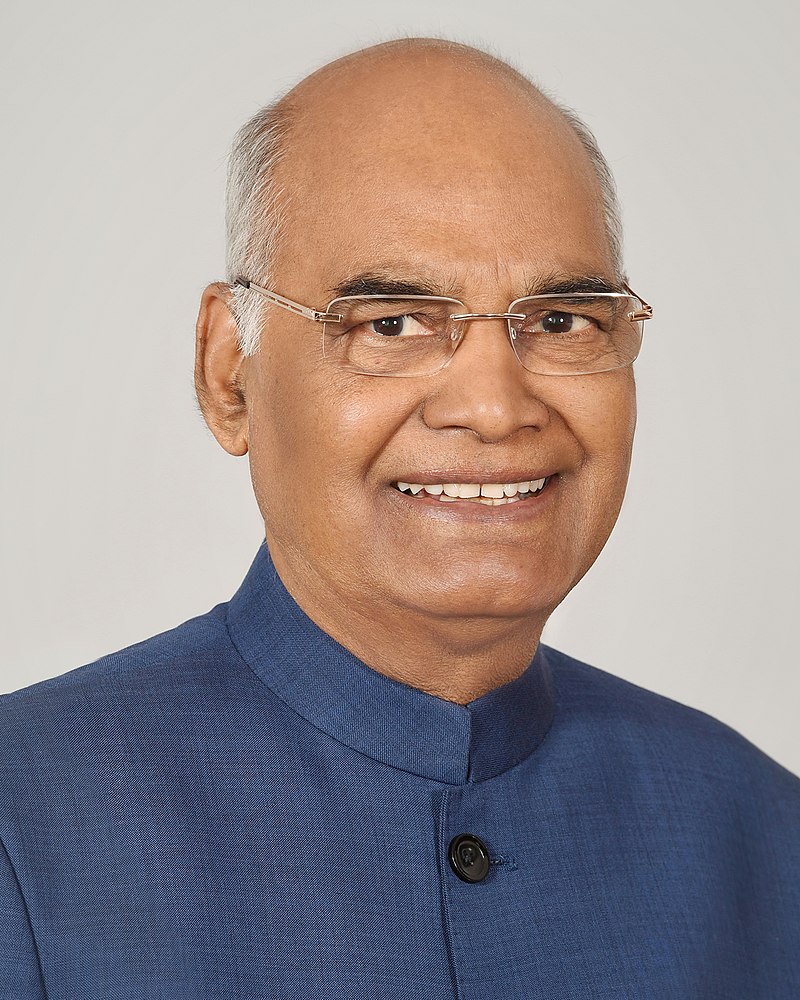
404	62
387	122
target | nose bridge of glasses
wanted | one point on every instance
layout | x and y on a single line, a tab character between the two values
468	316
460	320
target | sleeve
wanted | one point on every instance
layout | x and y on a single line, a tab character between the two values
20	971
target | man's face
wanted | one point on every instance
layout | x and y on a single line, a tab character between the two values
460	184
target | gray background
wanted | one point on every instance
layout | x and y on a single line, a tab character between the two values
121	516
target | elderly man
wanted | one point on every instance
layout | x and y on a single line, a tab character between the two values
364	776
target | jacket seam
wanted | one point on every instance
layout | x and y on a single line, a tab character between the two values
27	917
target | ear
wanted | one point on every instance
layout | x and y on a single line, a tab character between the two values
219	370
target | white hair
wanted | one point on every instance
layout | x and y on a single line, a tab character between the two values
256	206
608	188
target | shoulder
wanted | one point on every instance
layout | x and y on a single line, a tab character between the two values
130	686
670	790
654	733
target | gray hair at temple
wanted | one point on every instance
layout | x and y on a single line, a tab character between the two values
256	206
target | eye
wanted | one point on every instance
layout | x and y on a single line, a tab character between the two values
397	326
560	322
388	326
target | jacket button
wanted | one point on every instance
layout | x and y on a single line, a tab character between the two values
469	858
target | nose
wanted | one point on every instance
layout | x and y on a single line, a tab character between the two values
484	388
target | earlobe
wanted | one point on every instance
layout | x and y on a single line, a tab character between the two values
219	371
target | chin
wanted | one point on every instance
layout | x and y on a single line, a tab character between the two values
499	595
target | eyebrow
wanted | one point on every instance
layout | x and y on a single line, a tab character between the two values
584	284
383	283
380	283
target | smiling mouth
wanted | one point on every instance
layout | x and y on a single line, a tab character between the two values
488	494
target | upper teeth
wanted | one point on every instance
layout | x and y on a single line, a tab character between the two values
468	491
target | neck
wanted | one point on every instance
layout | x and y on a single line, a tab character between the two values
455	658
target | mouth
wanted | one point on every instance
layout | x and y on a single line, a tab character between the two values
487	494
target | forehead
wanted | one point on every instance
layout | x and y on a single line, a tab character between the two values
427	159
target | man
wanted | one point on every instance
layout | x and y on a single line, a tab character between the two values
364	776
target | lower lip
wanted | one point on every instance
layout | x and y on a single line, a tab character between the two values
470	511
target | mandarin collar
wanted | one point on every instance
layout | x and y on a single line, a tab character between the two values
388	721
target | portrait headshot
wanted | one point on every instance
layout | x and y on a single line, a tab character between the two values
399	597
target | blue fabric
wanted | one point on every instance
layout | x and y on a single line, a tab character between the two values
239	808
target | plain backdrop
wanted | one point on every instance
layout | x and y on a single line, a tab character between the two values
121	517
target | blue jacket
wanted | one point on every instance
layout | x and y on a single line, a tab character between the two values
239	808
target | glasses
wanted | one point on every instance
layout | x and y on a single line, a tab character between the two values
405	336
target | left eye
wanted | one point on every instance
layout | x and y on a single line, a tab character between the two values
560	322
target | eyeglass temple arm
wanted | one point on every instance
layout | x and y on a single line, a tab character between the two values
646	312
290	304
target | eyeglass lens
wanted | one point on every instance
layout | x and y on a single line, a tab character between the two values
417	335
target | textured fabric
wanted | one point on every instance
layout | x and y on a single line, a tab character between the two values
239	808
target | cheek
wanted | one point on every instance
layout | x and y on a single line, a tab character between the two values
316	433
623	420
601	415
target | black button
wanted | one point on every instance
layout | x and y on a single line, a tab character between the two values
469	858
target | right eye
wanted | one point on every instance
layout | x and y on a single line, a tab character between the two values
398	326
